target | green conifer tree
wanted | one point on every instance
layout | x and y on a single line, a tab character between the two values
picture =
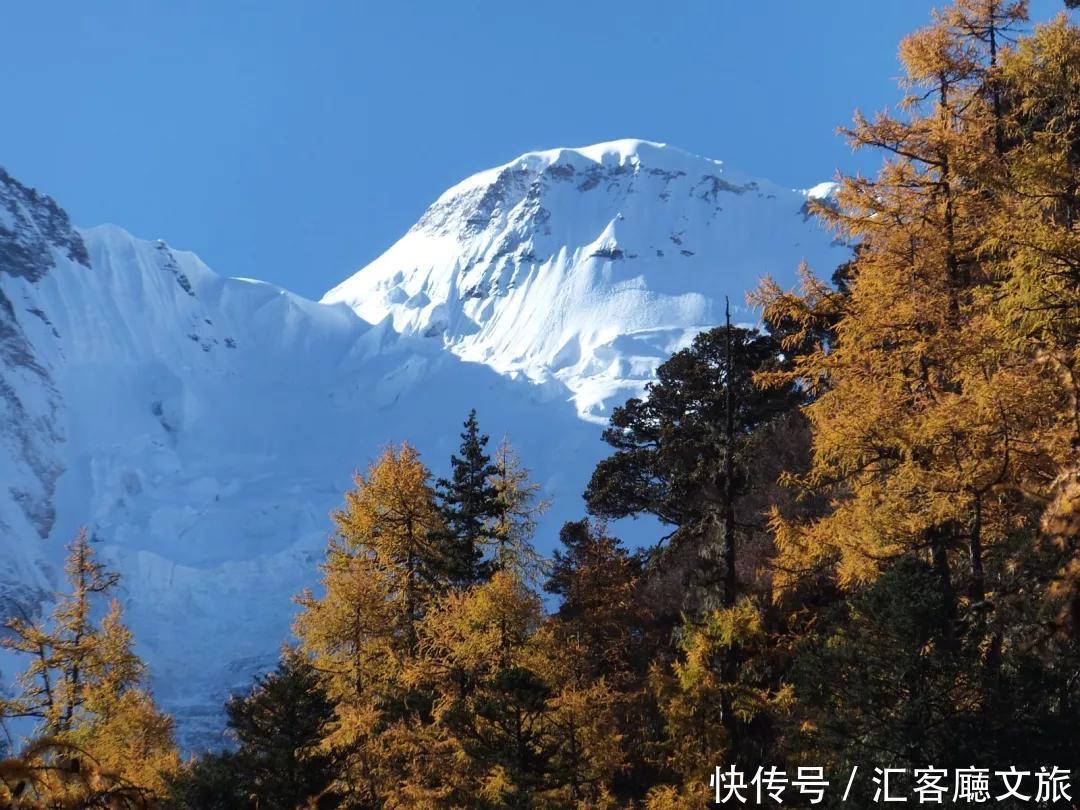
681	453
469	504
279	762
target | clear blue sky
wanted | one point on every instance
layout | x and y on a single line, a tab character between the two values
294	141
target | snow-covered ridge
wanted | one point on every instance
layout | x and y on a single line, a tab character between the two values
203	427
614	153
584	268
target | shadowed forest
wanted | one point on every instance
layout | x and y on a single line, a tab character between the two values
872	507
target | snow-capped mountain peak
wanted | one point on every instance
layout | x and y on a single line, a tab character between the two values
585	267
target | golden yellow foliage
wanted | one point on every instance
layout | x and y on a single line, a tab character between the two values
86	686
56	775
935	419
707	698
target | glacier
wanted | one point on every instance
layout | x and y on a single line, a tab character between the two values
203	427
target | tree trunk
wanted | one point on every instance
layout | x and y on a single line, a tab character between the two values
730	579
977	588
940	560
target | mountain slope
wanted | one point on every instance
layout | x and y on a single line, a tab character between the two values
203	427
586	267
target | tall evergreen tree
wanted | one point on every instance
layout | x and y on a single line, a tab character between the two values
469	504
687	454
682	452
279	762
280	725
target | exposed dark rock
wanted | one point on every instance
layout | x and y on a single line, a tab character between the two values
32	435
710	186
608	253
32	226
561	171
168	263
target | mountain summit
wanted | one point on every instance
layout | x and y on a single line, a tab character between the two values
202	427
587	266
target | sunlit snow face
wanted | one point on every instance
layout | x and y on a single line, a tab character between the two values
588	266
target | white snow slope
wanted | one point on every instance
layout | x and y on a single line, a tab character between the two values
202	427
583	267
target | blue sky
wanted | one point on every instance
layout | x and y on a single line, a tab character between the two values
294	141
